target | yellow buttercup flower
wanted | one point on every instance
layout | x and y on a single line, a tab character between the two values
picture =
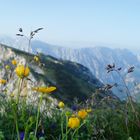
44	89
73	122
22	71
36	58
61	105
2	81
82	113
7	67
14	62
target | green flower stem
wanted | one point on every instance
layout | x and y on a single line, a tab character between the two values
62	133
66	127
77	130
128	95
66	134
17	129
23	115
38	114
16	121
16	110
18	94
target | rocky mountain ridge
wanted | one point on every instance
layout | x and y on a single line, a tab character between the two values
96	59
71	79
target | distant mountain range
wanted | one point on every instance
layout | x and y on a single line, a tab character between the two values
96	59
73	80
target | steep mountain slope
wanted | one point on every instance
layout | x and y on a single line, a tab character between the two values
71	79
95	59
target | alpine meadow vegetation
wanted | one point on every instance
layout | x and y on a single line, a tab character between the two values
27	113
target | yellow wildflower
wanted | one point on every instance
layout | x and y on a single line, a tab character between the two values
82	113
2	81
89	110
14	62
61	105
36	58
22	71
7	67
44	89
73	122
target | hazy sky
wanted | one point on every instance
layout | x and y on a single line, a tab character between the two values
75	22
